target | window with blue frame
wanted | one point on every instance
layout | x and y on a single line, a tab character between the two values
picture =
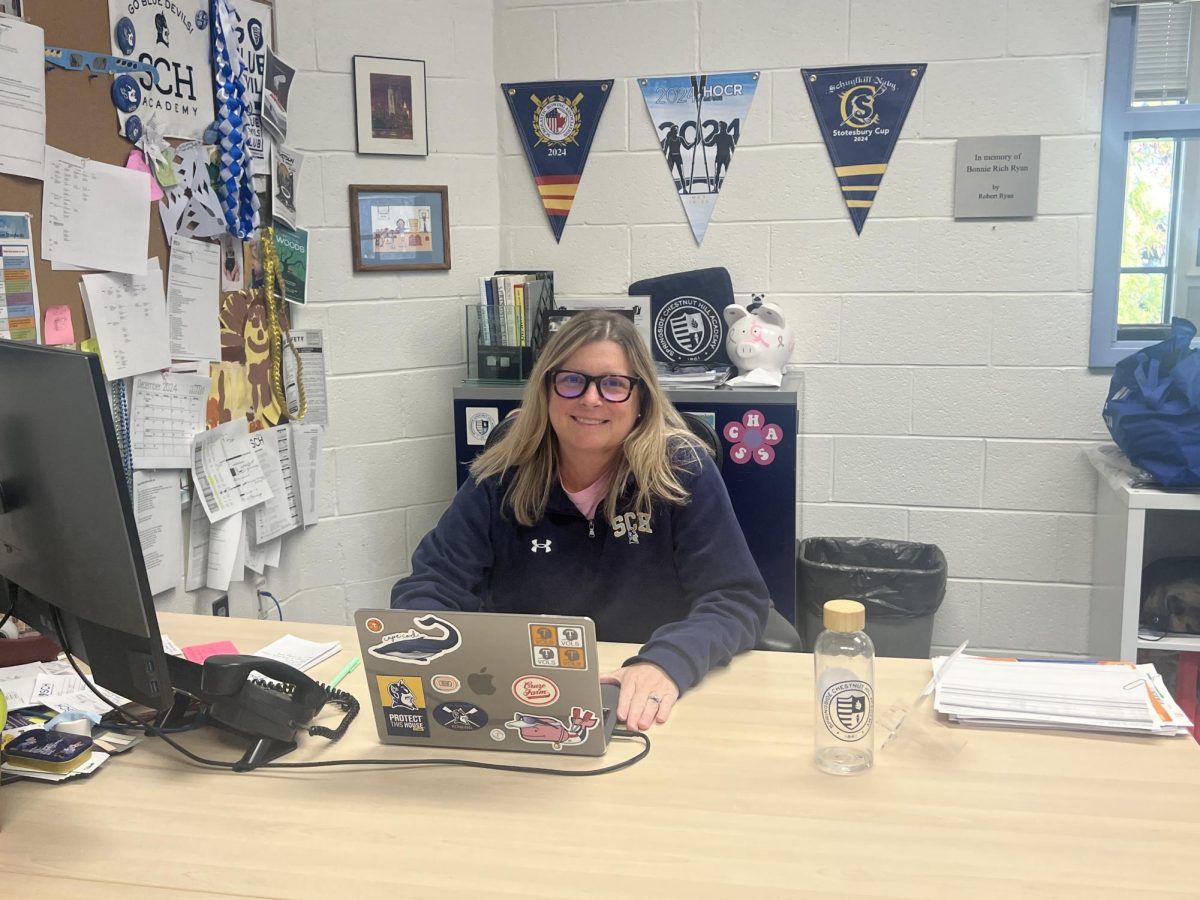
1147	265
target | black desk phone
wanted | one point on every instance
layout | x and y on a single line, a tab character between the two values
268	712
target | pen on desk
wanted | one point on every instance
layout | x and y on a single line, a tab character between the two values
346	670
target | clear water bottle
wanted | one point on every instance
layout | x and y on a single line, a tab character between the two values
844	658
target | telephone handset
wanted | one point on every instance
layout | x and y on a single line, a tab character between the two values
267	712
225	674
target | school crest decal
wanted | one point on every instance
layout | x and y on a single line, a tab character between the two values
861	110
556	121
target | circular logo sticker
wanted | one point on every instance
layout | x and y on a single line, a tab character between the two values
498	734
535	690
556	120
126	93
445	684
687	329
133	128
126	35
374	625
846	709
481	425
201	19
460	716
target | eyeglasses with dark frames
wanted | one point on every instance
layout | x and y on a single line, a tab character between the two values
613	388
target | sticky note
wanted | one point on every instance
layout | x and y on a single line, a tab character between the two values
58	326
198	653
137	162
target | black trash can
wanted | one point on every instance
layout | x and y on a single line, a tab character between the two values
899	582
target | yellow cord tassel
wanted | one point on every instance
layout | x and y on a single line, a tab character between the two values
273	279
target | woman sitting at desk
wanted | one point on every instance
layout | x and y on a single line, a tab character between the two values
598	502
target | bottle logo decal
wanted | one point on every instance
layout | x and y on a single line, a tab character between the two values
846	710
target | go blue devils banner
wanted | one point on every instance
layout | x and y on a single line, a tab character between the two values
557	121
699	121
861	110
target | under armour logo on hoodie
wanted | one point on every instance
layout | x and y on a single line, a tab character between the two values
539	545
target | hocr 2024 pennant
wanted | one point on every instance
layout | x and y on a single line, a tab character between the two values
861	110
557	121
699	119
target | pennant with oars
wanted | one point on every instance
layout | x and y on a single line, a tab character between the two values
556	121
861	110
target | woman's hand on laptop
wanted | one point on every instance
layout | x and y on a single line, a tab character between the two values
647	695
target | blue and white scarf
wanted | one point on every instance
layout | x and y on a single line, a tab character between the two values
235	186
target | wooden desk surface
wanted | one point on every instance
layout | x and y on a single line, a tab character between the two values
727	804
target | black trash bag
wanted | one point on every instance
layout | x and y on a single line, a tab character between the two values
892	579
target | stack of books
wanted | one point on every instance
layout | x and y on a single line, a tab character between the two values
510	307
1063	694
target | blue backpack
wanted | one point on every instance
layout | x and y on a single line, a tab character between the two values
1153	408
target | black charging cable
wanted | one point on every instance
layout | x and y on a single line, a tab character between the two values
153	731
11	590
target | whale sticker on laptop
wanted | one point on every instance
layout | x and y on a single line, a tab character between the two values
430	638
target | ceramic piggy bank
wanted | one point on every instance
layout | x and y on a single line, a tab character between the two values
758	337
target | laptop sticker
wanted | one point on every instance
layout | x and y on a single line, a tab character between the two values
460	716
549	730
498	734
557	646
535	690
403	701
429	639
445	684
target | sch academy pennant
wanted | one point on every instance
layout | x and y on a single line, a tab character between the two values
861	110
557	121
699	120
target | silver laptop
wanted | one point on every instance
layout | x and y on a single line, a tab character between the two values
486	681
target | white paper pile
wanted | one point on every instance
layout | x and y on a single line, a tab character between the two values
1112	697
53	684
692	376
299	653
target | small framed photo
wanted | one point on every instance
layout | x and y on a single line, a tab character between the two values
396	228
389	104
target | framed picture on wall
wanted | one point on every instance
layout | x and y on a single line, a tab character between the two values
396	228
389	105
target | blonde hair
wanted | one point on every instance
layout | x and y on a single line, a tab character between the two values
527	455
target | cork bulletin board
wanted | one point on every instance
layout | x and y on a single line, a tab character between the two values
80	119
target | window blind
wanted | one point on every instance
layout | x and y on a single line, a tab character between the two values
1164	38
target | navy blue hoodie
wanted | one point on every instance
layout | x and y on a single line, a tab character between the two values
681	574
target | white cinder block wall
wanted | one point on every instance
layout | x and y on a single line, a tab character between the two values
394	342
947	397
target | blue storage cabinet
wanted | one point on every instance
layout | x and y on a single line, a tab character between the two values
758	431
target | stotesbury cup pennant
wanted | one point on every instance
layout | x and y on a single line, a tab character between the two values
861	110
557	121
699	119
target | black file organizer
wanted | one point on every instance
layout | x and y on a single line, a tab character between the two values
499	361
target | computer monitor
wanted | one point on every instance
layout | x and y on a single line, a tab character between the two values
68	539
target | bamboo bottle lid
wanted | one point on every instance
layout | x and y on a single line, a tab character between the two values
845	615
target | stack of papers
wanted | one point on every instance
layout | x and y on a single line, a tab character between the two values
53	684
692	376
299	653
1112	697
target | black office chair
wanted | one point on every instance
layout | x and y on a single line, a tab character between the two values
779	635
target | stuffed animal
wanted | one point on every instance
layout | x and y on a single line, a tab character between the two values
758	338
